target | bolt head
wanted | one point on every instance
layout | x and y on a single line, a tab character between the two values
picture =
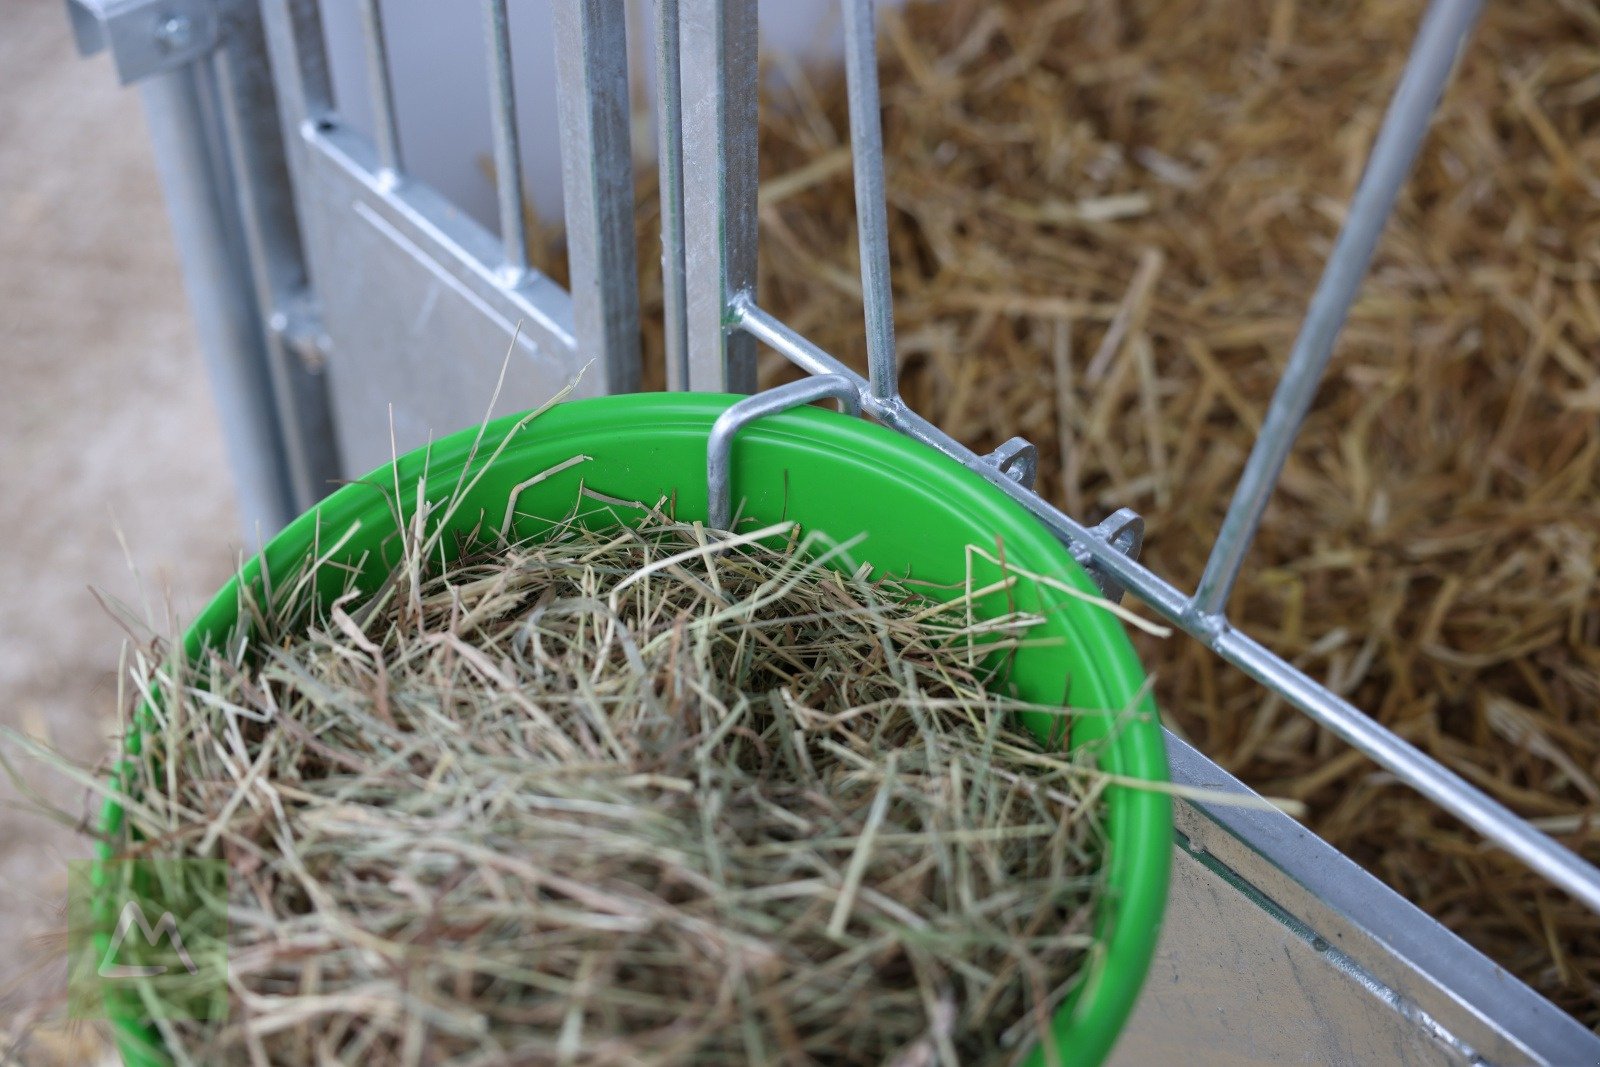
175	32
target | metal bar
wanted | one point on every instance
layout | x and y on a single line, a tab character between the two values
669	132
717	49
719	444
269	236
297	53
597	184
385	132
1444	787
507	156
180	108
1445	28
872	211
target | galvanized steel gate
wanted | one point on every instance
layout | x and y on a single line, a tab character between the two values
329	286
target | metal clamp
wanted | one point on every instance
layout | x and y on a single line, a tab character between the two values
1123	530
145	36
719	447
1018	460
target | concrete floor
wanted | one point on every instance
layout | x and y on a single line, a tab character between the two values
108	439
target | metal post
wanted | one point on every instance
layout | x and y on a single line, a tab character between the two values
718	78
669	132
217	276
597	184
507	156
248	116
1444	31
872	211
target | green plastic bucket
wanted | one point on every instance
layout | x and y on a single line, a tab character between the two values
841	476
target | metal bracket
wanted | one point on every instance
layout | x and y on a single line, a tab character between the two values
298	328
719	446
145	37
1018	460
1123	530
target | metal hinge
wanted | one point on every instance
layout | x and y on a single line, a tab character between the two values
145	37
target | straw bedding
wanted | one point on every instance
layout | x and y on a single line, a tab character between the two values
653	795
1107	219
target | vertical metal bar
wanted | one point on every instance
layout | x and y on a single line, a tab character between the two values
217	276
1445	28
597	184
385	133
296	50
269	236
872	211
717	48
669	132
507	156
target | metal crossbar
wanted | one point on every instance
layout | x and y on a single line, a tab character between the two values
720	226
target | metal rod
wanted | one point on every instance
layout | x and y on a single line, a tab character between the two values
180	109
591	46
507	155
1445	28
1434	781
385	133
669	132
872	210
717	72
719	445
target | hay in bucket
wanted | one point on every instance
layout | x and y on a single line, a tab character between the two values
648	794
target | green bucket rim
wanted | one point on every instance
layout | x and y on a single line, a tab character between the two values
1139	820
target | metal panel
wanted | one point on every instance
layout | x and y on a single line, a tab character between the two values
419	315
1278	949
419	320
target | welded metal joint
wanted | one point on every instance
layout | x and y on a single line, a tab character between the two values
1018	460
145	37
719	446
300	331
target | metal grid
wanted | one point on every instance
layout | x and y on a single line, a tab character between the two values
299	285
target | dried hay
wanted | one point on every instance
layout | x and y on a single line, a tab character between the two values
1107	219
640	795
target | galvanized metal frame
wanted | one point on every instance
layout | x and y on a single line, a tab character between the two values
411	290
1443	34
280	228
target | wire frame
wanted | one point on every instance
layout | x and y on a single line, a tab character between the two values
708	166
